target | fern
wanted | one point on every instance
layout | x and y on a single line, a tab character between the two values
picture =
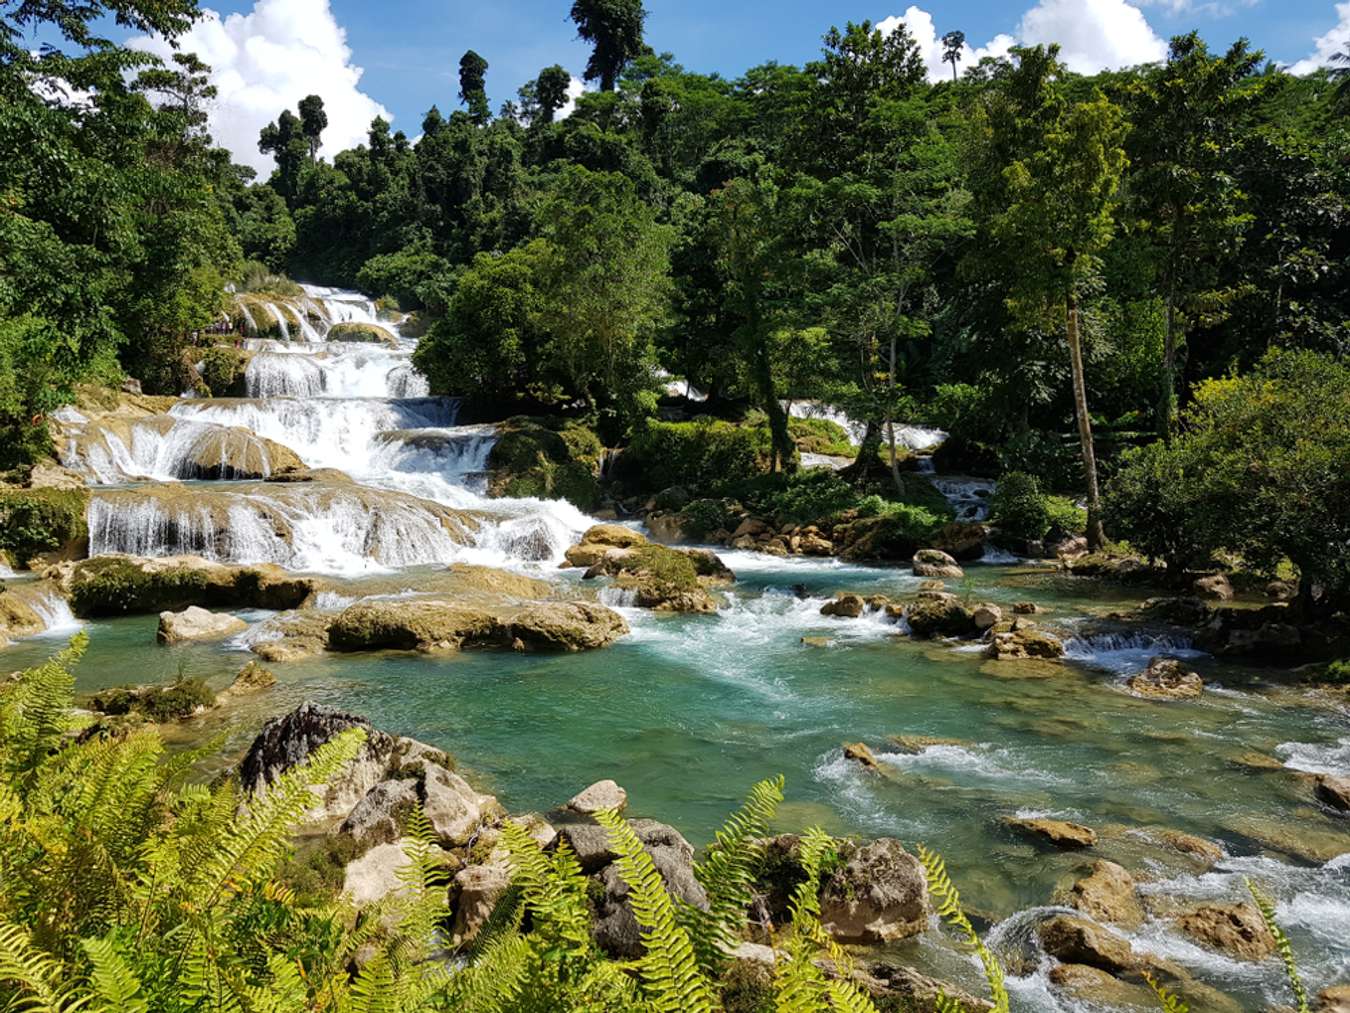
114	984
1170	1002
1267	908
669	969
727	874
944	892
554	892
36	710
33	975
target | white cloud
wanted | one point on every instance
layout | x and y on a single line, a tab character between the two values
268	60
575	87
1336	41
1093	35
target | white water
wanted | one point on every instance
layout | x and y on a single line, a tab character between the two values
57	619
159	449
919	439
280	320
1127	653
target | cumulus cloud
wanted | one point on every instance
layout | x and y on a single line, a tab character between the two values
268	60
1093	35
575	87
1326	47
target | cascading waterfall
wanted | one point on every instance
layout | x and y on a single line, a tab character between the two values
281	374
248	317
280	319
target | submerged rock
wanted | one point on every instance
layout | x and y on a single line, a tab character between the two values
195	623
1235	929
1167	679
1188	844
858	752
1074	940
1061	833
252	678
1024	641
1333	791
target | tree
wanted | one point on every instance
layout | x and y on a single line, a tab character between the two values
614	28
551	91
284	139
473	86
952	44
1063	213
313	122
1187	114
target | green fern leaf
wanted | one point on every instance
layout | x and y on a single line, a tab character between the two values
1170	1002
114	983
947	901
1286	949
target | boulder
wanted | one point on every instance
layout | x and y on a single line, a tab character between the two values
195	623
1333	791
937	614
252	678
987	616
668	528
880	895
1094	988
814	544
751	527
1179	611
935	563
816	641
1234	929
1282	590
1024	641
1026	608
1188	844
858	752
550	460
1071	939
709	566
430	625
903	988
1214	587
845	606
454	810
18	618
1060	833
1335	999
590	841
1246	632
918	743
1166	679
664	596
1107	894
615	536
375	875
616	927
381	815
601	795
564	626
478	888
962	541
876	538
294	636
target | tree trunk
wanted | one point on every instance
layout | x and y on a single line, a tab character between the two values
866	459
890	425
1096	537
783	447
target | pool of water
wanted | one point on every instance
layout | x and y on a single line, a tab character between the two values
688	711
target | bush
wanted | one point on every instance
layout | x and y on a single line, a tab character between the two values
704	456
33	521
1338	673
531	459
401	274
820	436
1018	509
704	516
807	496
1066	516
223	370
113	586
667	565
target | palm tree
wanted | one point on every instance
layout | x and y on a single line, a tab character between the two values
952	43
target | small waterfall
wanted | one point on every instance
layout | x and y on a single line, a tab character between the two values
248	317
278	374
281	321
405	381
969	497
164	448
307	331
54	611
1127	653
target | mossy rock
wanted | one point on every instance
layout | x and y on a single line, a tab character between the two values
223	369
115	585
546	459
34	522
173	702
362	332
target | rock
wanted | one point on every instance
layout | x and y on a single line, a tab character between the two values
1234	929
195	623
845	606
1214	587
564	626
709	566
1335	999
1060	833
667	528
361	332
298	635
962	541
880	895
613	535
129	585
987	616
1282	590
751	527
664	596
18	618
252	678
815	545
1104	565
875	538
1179	611
1108	894
375	875
1333	791
131	385
46	475
935	563
1256	762
590	840
381	815
816	641
859	753
1094	987
1024	642
1026	608
1188	844
940	615
1166	679
479	888
531	459
918	743
1244	632
454	810
1074	940
616	928
1069	548
429	625
903	988
601	795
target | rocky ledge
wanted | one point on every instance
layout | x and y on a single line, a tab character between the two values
658	577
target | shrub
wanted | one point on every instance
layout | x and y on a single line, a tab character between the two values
1338	672
705	456
1065	515
111	586
531	459
401	274
223	369
820	436
704	516
807	496
1018	509
33	521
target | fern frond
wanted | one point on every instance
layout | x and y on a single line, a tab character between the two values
34	976
943	1004
1169	1002
553	889
727	873
36	709
1267	908
845	997
114	983
423	901
948	904
494	981
674	981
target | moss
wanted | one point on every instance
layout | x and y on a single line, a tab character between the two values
318	867
223	371
179	699
821	436
373	333
546	460
747	987
117	587
670	567
33	521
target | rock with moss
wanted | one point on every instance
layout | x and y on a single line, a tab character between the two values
660	577
362	333
174	701
937	614
1167	679
18	618
130	585
43	524
434	625
546	460
1023	640
222	370
935	563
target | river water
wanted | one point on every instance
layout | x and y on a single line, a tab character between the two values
688	711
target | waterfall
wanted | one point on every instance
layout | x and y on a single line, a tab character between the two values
248	317
280	374
163	449
281	321
969	497
54	611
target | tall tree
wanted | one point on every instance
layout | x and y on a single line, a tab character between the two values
952	44
473	86
1187	114
1063	213
284	139
313	122
550	91
614	28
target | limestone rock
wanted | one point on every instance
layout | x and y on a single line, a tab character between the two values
1107	894
845	606
1060	833
1026	608
452	807
1214	587
429	625
1335	999
252	678
130	585
879	895
1167	679
816	641
918	743
935	563
1234	929
663	596
1188	844
940	615
479	888
375	875
294	636
860	753
601	795
906	989
380	817
987	616
195	623
963	541
1024	642
1074	940
1333	791
616	927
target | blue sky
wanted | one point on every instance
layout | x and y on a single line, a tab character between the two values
270	53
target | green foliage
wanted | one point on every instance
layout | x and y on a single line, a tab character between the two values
401	275
115	587
704	456
948	900
820	436
669	566
1338	672
1023	513
531	459
804	497
223	370
702	517
1267	908
33	521
1169	1002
